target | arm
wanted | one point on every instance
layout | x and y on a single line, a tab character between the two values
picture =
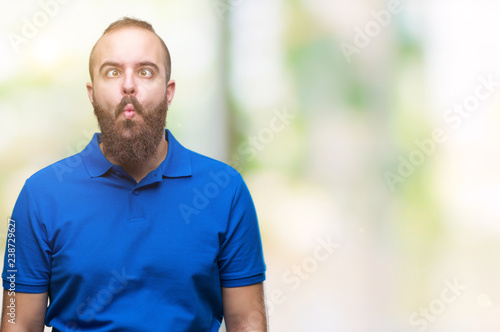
29	312
244	308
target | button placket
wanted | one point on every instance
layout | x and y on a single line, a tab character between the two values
136	216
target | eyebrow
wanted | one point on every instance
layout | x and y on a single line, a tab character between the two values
141	64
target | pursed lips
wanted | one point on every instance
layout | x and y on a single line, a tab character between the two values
128	111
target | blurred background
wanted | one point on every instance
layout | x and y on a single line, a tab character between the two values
366	130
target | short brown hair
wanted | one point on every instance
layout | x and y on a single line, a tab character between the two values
129	22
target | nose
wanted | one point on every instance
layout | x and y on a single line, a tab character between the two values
129	86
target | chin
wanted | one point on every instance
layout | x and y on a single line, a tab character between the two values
129	131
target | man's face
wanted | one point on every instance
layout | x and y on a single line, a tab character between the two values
130	94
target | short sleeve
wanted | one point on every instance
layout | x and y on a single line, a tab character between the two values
27	263
241	258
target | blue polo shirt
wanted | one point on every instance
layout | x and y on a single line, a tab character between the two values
116	255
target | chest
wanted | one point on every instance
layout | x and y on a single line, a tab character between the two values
141	231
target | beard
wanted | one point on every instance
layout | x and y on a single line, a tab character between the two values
143	137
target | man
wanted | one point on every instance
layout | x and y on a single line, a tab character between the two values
134	233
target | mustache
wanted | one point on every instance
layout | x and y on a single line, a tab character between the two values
129	100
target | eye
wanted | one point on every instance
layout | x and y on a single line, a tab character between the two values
145	73
112	73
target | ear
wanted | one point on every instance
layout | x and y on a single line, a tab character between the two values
170	91
90	92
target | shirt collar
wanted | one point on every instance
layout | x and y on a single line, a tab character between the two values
178	160
93	159
176	164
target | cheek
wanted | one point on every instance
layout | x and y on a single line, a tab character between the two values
152	97
107	99
109	90
152	89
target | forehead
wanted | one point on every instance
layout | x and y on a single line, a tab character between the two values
129	46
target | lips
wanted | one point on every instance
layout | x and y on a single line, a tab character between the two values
128	111
129	108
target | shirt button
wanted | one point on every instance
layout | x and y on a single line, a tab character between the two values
136	192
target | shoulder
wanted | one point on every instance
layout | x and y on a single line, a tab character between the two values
214	178
203	165
57	172
203	162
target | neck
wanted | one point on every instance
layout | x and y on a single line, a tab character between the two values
139	172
